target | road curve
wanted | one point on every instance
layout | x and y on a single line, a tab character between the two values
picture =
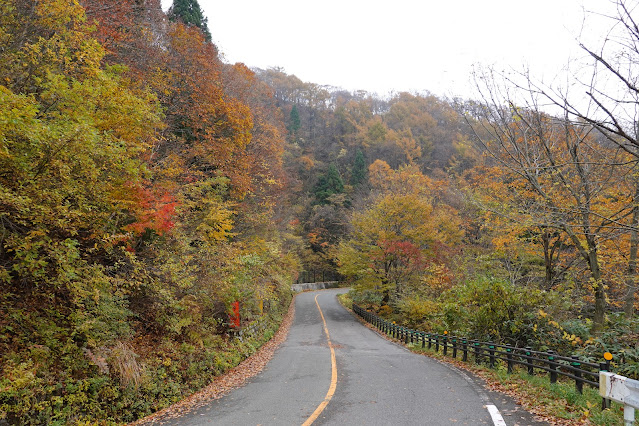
378	382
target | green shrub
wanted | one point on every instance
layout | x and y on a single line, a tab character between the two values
492	310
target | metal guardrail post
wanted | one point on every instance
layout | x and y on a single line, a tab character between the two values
465	350
430	343
579	384
454	347
476	345
436	342
553	366
423	340
491	355
509	357
529	361
445	343
605	366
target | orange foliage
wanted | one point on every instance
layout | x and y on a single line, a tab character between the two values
154	211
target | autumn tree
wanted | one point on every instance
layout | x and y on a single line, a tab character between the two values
562	178
388	245
73	135
399	243
606	98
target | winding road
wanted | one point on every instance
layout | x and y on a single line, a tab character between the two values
332	370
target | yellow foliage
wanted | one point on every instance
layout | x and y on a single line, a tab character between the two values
218	222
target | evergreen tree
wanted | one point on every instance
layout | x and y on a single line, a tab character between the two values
328	184
190	13
358	175
295	122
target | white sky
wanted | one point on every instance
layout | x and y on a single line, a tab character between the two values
400	45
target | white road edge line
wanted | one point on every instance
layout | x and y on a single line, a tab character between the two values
498	420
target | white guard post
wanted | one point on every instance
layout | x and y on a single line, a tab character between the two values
622	390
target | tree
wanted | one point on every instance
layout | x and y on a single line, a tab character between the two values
294	121
400	245
359	172
388	246
190	14
560	177
328	184
72	178
603	93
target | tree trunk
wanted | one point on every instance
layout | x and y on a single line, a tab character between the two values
589	254
598	319
548	261
629	301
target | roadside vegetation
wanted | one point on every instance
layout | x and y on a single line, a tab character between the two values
556	403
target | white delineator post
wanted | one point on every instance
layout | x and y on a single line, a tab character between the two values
622	390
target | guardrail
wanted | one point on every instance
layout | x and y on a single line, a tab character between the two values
582	372
314	286
622	390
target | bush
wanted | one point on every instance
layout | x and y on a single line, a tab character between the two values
67	384
492	310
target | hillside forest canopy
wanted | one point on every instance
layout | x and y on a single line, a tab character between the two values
146	186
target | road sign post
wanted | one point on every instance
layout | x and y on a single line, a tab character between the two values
235	317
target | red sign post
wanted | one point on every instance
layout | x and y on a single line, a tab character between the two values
235	318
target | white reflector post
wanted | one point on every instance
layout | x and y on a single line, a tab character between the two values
622	390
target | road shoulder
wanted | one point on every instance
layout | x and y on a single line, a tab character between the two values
232	379
511	408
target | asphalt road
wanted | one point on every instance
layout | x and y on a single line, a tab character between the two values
378	382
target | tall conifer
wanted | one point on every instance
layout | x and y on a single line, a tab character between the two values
328	184
190	13
358	175
295	121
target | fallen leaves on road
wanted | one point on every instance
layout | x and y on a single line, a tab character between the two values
230	380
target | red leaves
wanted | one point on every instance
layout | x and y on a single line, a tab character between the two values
155	211
404	253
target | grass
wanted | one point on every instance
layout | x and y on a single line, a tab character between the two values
558	403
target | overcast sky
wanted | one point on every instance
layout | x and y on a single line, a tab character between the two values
404	45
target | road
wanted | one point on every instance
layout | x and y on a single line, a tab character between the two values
368	380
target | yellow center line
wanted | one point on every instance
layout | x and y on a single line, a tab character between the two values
331	389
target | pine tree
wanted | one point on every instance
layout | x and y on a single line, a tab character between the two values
295	122
328	184
190	14
358	175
